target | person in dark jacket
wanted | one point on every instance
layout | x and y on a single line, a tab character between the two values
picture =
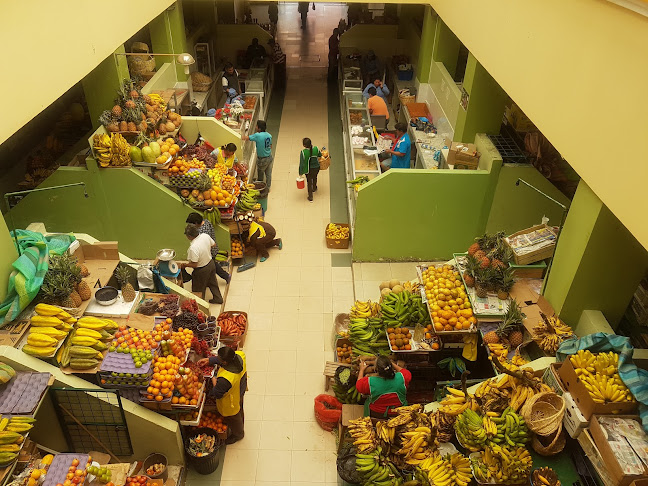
334	50
254	51
302	8
230	81
229	387
206	227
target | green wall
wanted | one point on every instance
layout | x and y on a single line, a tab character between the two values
101	85
124	205
168	36
427	45
8	255
446	47
423	214
485	103
597	265
518	207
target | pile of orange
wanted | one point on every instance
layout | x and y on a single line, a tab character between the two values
446	295
131	338
169	147
164	374
429	336
181	342
188	385
237	248
213	421
228	182
217	197
399	338
222	168
182	166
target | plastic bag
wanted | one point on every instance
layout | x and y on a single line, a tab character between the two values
145	278
328	411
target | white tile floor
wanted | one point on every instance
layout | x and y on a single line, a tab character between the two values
291	297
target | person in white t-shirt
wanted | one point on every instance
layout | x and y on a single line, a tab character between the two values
200	259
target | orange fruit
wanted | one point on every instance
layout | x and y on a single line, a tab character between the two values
175	146
169	141
172	151
159	398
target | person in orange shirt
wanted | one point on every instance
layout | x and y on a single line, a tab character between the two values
376	104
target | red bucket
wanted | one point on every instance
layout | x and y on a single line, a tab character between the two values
301	183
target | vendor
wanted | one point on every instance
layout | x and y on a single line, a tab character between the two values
386	391
377	105
206	227
226	155
261	236
200	259
230	385
401	150
230	81
254	50
371	67
381	89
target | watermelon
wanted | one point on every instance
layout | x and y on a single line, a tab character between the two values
6	373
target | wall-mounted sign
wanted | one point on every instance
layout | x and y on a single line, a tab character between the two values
464	98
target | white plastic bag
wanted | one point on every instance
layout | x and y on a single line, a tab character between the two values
145	277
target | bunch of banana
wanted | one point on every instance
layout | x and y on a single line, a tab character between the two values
499	350
444	425
439	470
470	430
550	333
502	465
518	360
102	146
404	309
416	445
460	465
247	200
511	429
368	336
363	432
375	470
157	99
337	232
600	375
520	395
386	434
364	309
455	402
120	149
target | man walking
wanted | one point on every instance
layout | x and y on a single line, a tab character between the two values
334	51
263	141
279	61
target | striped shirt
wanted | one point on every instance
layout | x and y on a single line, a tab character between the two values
208	229
278	57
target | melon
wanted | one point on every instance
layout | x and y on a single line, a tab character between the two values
393	283
136	154
155	147
6	373
385	291
148	155
397	289
384	285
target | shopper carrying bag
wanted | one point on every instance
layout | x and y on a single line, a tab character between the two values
309	165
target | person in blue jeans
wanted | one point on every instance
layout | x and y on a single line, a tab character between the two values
402	149
263	141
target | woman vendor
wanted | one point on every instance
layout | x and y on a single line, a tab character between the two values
226	155
261	236
386	391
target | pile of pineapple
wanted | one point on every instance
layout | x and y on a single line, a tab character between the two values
63	284
508	334
487	266
137	112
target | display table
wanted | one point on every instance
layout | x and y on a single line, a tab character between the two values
396	85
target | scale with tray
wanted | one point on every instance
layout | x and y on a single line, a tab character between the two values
167	266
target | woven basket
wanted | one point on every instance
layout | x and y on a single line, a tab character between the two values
141	64
550	445
544	412
406	99
324	162
201	85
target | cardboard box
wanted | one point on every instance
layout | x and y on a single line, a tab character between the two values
537	254
589	448
583	399
524	294
552	379
639	482
611	451
574	421
101	259
462	155
534	270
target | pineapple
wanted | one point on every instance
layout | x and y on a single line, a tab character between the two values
147	99
513	320
130	104
56	288
505	283
483	278
69	302
491	337
134	94
484	262
84	271
472	249
469	273
106	118
84	290
116	111
123	275
113	126
516	338
76	298
123	126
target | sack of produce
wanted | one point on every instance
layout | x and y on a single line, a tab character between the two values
328	411
200	81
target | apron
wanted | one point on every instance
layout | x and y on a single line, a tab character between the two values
379	386
230	404
228	162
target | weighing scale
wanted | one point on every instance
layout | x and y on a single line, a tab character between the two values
167	266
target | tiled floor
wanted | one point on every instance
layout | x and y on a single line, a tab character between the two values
292	297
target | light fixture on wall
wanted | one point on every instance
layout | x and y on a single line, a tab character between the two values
24	193
562	222
187	60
